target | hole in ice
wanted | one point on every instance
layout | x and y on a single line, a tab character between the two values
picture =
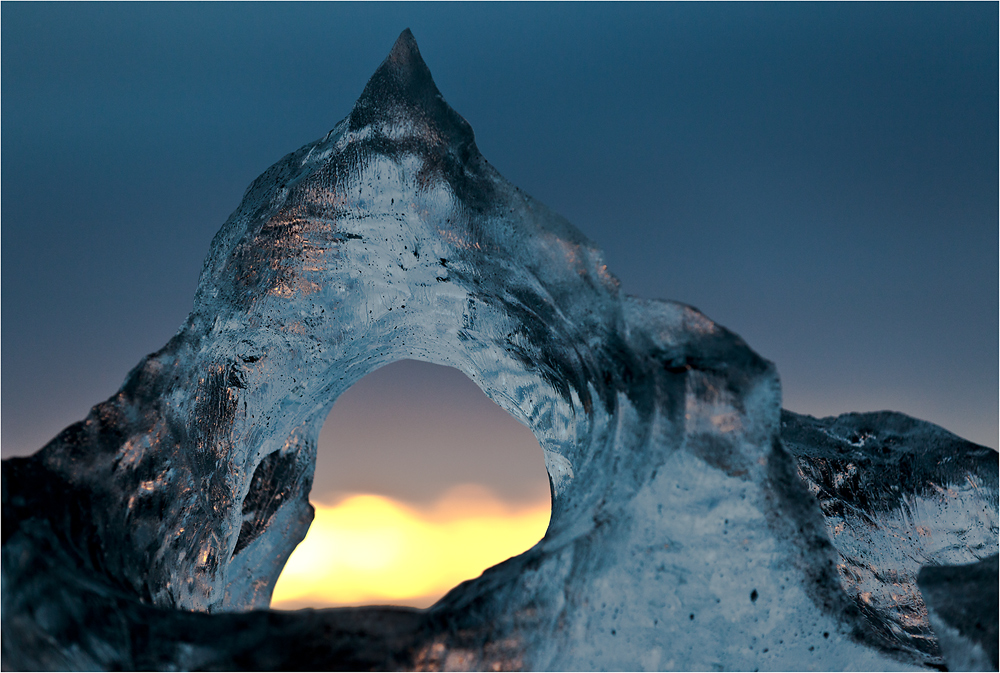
421	482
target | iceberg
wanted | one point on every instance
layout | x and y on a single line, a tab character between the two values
695	525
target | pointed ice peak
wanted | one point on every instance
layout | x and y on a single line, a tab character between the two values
402	74
401	99
405	54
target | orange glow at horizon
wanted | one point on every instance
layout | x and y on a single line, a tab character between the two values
370	549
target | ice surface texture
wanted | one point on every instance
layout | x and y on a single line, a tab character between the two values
683	534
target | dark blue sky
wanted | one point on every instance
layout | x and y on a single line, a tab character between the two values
821	179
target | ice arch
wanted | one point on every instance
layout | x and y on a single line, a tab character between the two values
389	238
681	534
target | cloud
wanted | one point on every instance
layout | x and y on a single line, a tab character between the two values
368	549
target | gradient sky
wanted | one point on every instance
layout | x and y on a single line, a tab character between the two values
821	179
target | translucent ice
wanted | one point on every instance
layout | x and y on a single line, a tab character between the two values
683	534
897	494
962	606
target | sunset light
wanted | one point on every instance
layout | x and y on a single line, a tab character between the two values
370	549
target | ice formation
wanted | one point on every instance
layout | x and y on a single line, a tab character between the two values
694	526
